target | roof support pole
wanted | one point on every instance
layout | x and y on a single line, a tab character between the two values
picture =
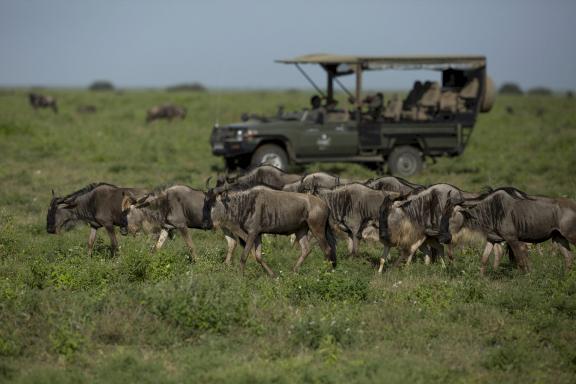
358	86
329	86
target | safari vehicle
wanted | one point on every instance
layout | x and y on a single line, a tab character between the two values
432	120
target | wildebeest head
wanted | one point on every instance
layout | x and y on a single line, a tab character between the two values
452	219
209	200
61	215
134	215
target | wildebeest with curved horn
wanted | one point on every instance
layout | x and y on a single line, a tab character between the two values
415	220
166	111
176	207
98	204
255	211
41	101
507	214
353	207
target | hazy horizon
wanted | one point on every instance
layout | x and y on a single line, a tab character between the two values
233	45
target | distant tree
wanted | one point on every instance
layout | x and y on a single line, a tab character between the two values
101	85
510	89
569	94
187	87
540	91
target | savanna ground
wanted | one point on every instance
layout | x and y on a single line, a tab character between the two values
67	317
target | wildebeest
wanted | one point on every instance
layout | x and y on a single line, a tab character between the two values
41	101
393	184
255	211
176	207
98	205
267	175
353	207
415	220
509	215
166	111
315	180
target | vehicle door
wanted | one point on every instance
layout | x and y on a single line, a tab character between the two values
327	138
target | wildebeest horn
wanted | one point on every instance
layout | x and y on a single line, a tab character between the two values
127	200
53	194
208	182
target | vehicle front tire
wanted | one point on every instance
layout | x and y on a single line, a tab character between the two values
270	154
405	161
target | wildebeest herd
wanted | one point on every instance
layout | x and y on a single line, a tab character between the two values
165	111
266	200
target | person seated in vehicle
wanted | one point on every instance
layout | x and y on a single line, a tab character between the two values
468	95
393	110
429	101
317	111
333	114
375	104
410	107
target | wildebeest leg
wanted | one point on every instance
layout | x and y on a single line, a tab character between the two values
231	241
250	239
384	257
113	242
161	239
354	244
564	246
258	255
498	251
521	254
408	253
304	248
436	251
186	235
91	240
485	256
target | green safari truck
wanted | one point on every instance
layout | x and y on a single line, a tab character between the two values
435	118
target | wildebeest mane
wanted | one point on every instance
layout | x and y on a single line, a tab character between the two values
515	193
424	209
72	196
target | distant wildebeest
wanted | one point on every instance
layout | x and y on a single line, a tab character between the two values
267	175
255	211
393	184
415	220
166	111
86	109
509	215
315	180
41	101
177	207
353	208
98	205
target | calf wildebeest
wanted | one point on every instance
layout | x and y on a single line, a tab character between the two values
267	175
393	184
177	207
509	215
315	180
98	205
41	101
255	211
353	207
166	111
415	220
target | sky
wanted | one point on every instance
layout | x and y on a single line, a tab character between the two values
233	44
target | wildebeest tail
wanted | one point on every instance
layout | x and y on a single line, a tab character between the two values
383	220
331	239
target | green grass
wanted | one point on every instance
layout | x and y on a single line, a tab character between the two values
138	317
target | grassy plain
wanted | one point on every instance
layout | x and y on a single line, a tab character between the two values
65	317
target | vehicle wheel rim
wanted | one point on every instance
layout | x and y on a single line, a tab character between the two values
407	164
272	159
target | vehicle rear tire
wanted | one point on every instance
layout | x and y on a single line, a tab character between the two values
405	161
270	154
